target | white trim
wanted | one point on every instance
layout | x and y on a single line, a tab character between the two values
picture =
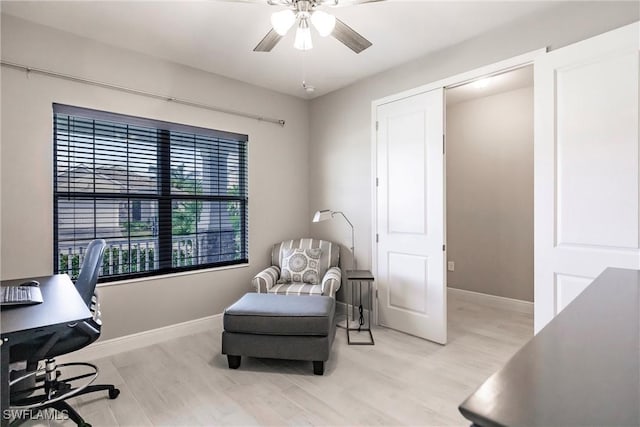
341	313
341	308
374	206
468	76
515	62
494	301
146	338
170	275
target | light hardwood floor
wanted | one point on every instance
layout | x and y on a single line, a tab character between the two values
402	380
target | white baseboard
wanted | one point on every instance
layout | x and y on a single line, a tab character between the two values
517	305
342	308
145	338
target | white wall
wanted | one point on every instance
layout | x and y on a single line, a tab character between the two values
490	194
340	148
278	157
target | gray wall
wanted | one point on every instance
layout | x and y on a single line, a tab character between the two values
337	139
26	194
490	194
340	134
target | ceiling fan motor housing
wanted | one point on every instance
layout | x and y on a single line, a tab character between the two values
304	7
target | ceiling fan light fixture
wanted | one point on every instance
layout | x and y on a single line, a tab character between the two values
303	14
324	22
282	21
303	36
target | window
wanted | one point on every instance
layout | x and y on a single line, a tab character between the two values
165	197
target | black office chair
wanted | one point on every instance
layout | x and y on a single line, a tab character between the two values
44	388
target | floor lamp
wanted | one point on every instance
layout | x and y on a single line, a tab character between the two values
328	214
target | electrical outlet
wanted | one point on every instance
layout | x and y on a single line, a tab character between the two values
451	266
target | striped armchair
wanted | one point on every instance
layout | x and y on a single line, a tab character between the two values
329	271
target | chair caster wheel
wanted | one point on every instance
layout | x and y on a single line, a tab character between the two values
84	425
112	395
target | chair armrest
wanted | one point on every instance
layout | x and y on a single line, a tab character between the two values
265	280
331	281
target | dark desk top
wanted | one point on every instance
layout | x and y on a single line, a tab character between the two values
62	304
359	275
582	369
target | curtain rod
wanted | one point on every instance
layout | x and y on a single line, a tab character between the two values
140	92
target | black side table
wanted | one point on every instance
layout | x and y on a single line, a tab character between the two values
356	278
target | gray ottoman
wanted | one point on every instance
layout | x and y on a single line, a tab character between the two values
296	327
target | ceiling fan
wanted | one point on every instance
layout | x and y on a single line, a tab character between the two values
304	14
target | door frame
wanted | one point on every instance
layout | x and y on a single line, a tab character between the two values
499	67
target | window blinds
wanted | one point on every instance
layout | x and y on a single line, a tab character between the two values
166	197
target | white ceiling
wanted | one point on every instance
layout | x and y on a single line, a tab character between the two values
219	36
512	80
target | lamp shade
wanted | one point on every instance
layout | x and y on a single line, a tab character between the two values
322	215
324	22
282	21
303	36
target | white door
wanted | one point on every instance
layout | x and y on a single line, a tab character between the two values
586	166
410	216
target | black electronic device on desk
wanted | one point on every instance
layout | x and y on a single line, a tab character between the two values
25	293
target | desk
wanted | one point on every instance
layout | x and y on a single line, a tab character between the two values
583	368
62	305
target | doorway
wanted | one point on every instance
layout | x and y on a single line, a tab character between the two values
412	285
489	163
489	197
586	174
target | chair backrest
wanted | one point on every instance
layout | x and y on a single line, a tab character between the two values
88	277
330	252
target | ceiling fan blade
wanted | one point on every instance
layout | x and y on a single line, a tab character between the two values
349	37
268	42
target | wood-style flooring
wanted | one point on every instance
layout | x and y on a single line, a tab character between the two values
402	380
